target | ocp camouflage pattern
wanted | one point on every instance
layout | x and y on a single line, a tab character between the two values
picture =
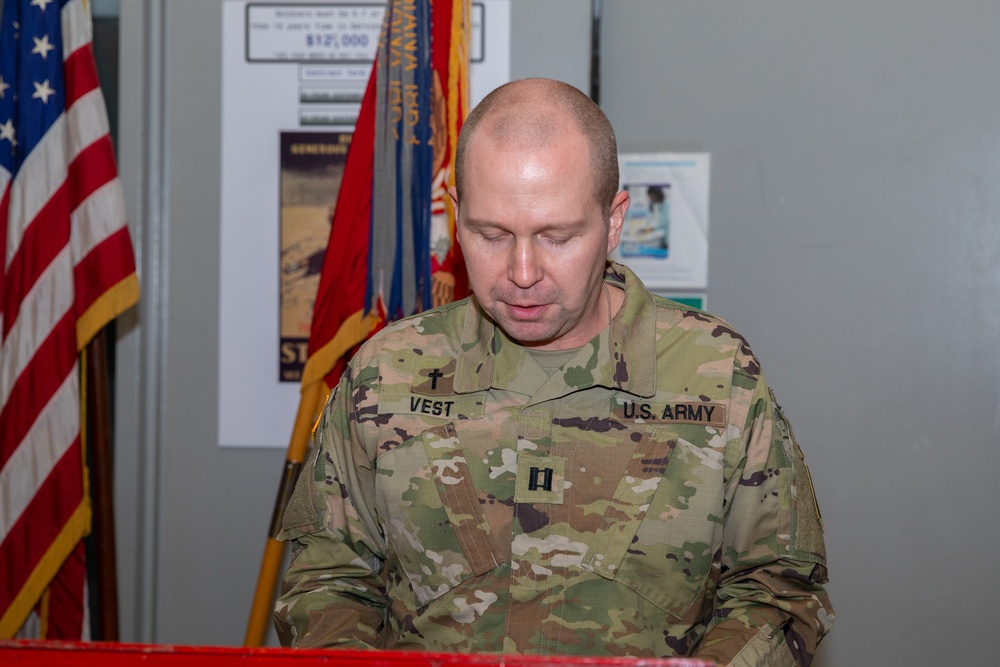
647	499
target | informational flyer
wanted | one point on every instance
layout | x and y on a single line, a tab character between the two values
293	75
665	236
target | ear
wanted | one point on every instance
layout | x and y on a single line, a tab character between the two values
453	193
619	206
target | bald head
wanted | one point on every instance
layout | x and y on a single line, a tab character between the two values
533	113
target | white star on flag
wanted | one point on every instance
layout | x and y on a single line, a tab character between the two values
42	46
7	132
3	87
43	91
42	4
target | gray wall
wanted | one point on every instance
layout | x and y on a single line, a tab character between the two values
855	234
192	517
855	240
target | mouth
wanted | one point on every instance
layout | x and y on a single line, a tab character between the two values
526	312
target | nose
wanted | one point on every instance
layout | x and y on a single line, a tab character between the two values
524	267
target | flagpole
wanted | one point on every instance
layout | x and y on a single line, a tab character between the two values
101	452
595	51
267	579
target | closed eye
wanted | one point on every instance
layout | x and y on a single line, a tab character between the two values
493	237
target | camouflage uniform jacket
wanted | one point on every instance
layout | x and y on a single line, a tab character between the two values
648	499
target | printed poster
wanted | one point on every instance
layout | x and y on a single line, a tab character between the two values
312	167
665	235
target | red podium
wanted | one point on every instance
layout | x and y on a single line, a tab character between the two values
15	653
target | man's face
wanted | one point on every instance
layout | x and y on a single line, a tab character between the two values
535	239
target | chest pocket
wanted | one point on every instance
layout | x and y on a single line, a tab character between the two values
655	537
431	513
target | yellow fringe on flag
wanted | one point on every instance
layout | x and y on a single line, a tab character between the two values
352	331
107	307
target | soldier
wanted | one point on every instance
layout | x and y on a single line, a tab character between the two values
563	463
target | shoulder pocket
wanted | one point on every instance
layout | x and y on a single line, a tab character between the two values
806	532
300	516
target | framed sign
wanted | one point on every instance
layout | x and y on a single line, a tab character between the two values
665	236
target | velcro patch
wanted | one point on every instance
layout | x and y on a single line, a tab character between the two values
462	406
540	479
707	414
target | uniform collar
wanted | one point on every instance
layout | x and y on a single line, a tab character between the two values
620	357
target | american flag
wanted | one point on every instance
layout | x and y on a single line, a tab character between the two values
68	269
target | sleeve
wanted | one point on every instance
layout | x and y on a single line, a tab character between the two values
771	607
333	593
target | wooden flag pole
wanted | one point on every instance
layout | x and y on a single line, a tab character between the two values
102	481
274	550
